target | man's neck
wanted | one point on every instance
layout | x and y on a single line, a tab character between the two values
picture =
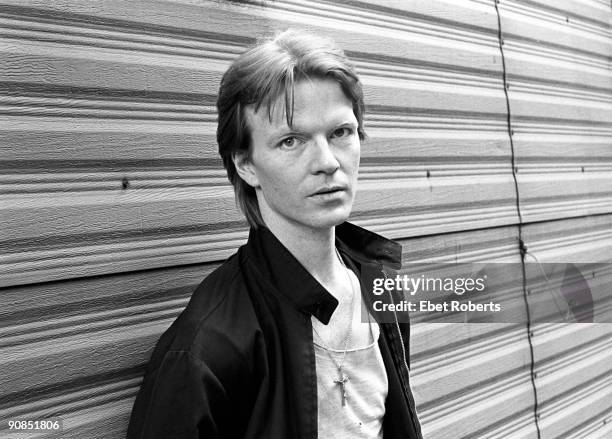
313	248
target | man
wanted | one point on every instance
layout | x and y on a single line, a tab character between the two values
272	343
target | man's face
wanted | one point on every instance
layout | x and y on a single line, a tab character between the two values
304	176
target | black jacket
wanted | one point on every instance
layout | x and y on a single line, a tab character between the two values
239	361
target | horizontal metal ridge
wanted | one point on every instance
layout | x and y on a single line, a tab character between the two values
558	241
549	14
549	337
483	22
446	390
413	70
210	46
172	244
559	128
517	425
599	426
64	183
453	221
595	392
95	394
548	86
495	337
116	38
73	108
568	362
586	108
486	250
53	329
573	207
594	12
71	263
377	19
435	122
498	390
63	124
548	56
556	33
71	357
62	117
78	261
430	170
586	164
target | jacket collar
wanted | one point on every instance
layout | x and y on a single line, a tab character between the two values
293	281
369	247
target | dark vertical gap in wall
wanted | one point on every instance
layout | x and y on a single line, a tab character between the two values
521	243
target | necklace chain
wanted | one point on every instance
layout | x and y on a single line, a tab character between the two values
342	378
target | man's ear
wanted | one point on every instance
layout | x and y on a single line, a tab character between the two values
244	167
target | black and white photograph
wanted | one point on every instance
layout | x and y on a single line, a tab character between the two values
261	219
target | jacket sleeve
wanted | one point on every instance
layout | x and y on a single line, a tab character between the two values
181	398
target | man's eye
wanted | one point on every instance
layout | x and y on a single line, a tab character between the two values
342	132
289	142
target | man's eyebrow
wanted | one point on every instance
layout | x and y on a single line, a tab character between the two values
296	130
281	132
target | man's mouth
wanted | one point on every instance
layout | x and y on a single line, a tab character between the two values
330	190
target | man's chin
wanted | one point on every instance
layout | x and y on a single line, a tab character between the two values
331	219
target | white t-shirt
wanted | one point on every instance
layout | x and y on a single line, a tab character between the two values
366	391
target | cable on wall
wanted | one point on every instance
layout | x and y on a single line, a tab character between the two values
521	242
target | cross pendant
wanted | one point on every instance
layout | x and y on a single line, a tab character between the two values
342	382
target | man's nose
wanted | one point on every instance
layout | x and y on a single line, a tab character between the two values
323	159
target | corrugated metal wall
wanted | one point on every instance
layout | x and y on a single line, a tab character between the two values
115	205
559	82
